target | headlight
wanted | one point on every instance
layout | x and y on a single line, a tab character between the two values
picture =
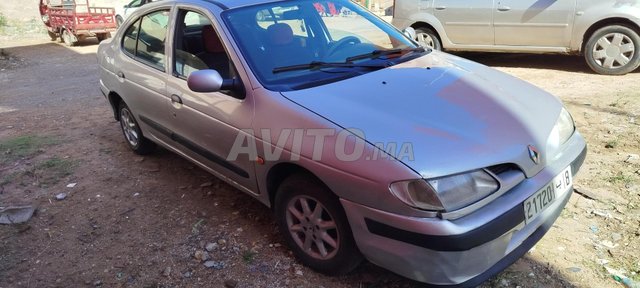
560	133
446	193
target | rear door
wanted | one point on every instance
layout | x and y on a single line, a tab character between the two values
543	23
465	21
141	68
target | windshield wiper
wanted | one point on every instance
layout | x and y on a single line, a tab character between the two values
379	53
319	64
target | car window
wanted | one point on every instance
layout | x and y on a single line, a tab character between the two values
288	34
130	38
198	46
151	38
135	3
357	23
284	14
145	39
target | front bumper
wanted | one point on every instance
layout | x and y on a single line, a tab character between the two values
461	252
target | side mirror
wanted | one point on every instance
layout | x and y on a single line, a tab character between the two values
410	33
125	6
205	81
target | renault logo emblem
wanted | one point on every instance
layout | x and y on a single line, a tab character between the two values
534	154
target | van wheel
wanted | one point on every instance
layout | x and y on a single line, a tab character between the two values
613	50
315	226
428	38
132	133
67	38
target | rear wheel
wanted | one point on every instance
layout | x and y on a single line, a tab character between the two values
132	133
613	50
315	226
103	36
52	35
68	38
428	38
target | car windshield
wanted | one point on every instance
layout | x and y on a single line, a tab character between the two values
292	45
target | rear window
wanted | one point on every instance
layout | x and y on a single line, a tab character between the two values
145	39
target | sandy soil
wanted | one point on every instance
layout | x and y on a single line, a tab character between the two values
137	221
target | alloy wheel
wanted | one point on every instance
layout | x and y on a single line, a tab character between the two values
613	50
425	40
129	127
312	227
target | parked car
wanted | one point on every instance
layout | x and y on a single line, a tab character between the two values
73	20
363	143
604	31
124	11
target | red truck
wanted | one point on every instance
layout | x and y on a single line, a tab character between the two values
75	20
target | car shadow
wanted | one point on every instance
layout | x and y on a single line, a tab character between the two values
88	41
568	63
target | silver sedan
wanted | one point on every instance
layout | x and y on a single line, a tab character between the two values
604	31
364	144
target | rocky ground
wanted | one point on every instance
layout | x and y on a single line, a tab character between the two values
108	218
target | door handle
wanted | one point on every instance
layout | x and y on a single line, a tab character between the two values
504	8
120	75
441	7
176	100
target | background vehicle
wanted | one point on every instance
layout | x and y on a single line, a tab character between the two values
604	31
123	12
73	20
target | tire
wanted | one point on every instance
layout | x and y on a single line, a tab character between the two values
428	38
338	258
103	36
52	35
613	50
132	133
119	21
68	39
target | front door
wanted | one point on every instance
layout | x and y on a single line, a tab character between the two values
205	125
542	23
466	22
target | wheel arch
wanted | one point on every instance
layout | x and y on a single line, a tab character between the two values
422	24
114	101
604	23
281	171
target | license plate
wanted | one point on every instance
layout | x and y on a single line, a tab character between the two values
542	199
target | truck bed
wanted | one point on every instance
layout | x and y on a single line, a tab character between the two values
93	19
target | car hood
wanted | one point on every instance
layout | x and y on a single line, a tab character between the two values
443	114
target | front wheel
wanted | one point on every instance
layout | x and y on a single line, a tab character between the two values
613	50
132	133
428	38
315	226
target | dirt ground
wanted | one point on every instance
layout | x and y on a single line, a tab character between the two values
135	221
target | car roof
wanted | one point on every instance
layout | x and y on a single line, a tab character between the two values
225	4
